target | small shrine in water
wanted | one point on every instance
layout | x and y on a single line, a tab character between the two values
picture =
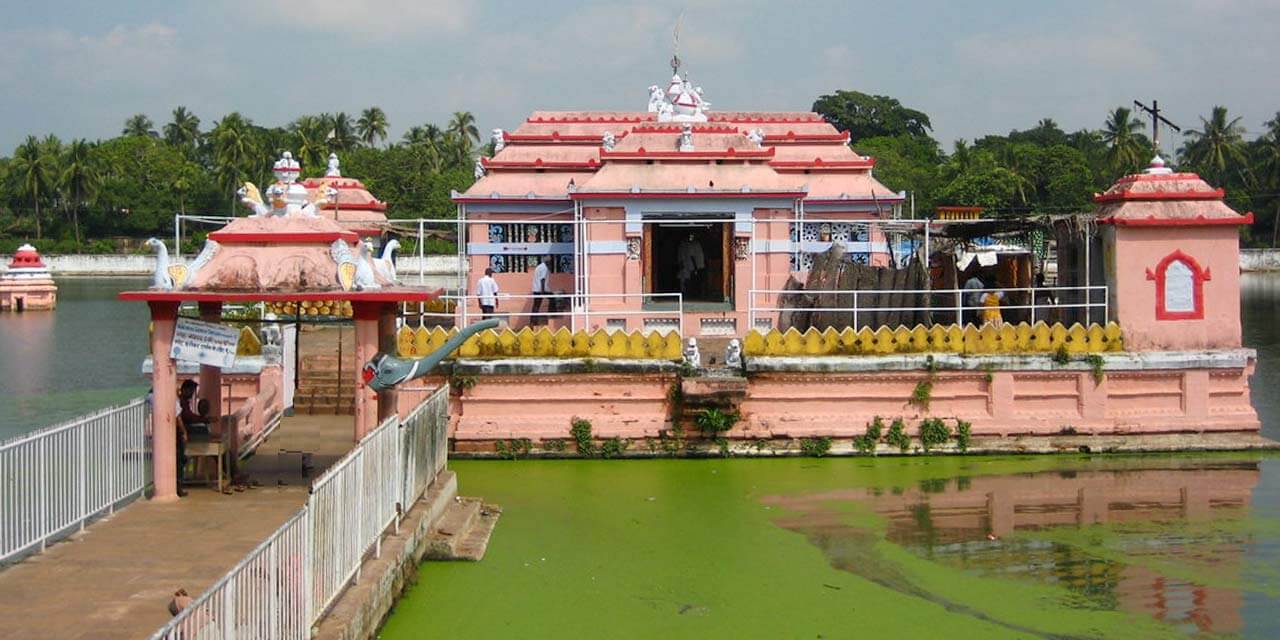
27	285
286	251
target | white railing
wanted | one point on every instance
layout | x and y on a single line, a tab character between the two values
579	313
425	445
1040	303
288	582
57	479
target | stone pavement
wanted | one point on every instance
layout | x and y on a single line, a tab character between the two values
116	579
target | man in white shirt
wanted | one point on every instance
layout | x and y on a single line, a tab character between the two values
973	297
487	291
540	290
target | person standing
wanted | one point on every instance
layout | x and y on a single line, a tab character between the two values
973	298
540	276
487	291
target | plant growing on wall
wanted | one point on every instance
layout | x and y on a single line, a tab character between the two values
963	430
897	435
866	443
554	445
613	447
1061	356
922	394
815	447
714	421
1096	364
580	431
513	449
933	432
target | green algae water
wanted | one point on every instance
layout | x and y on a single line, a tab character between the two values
980	547
1183	546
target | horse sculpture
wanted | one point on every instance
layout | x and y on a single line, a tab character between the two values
385	371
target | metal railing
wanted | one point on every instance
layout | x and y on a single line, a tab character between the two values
57	479
286	584
579	313
1040	303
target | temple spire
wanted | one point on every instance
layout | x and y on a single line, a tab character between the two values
675	46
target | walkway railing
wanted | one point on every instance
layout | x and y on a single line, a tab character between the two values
668	306
289	581
57	479
866	308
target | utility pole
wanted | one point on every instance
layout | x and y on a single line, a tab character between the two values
1156	119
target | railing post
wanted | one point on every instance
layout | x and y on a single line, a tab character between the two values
359	514
229	611
41	483
84	487
855	310
1031	295
308	564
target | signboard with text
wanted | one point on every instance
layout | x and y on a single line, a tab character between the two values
205	343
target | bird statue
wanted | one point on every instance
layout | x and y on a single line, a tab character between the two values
161	278
365	279
386	265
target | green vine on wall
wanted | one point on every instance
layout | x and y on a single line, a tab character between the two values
580	431
897	435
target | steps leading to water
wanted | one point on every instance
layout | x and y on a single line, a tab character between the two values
463	532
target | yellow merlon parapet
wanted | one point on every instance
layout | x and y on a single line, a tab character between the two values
1008	338
544	343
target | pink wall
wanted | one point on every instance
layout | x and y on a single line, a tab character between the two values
1132	251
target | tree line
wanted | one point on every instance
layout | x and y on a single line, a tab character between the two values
1045	170
73	196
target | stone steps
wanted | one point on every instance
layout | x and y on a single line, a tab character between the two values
463	531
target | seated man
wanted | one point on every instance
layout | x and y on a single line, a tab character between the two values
194	413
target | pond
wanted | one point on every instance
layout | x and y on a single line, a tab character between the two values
959	547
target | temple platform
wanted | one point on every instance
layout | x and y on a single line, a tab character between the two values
116	579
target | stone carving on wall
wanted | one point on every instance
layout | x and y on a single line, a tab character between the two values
686	137
633	248
741	248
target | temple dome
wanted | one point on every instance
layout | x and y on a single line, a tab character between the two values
1160	196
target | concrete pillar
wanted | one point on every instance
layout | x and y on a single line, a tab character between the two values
366	316
211	377
164	401
387	400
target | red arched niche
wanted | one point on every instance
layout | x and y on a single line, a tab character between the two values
1179	287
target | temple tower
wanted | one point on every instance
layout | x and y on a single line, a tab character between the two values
1172	258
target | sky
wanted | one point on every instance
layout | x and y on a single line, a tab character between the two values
79	68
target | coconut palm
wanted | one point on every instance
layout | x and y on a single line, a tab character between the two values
342	135
233	152
1125	148
463	126
311	137
139	125
79	180
184	130
1217	147
1267	168
372	126
31	170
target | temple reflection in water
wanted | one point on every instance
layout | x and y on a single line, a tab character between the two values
1169	550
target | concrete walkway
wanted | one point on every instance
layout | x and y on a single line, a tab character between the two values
116	579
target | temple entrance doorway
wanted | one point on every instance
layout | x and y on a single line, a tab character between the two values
690	258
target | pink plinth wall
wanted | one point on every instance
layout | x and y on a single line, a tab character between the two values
1132	259
542	406
1012	403
36	294
841	404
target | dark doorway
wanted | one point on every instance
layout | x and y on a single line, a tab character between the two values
20	304
689	258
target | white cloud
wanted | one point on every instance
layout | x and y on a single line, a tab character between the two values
384	18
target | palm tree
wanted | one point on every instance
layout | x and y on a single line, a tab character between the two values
1217	146
233	152
372	126
184	131
1125	151
310	135
342	134
139	125
31	169
463	126
1267	168
79	180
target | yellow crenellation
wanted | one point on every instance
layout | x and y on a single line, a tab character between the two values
544	343
1008	338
